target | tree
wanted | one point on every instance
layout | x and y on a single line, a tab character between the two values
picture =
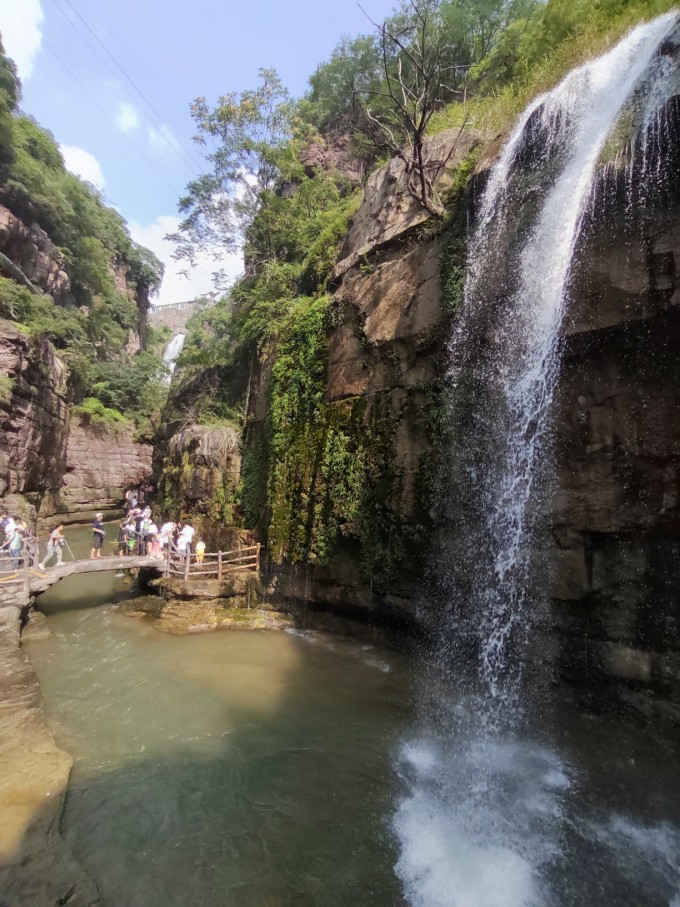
221	208
419	76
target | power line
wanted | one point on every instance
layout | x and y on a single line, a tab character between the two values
107	115
176	146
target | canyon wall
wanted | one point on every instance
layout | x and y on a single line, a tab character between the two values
48	457
612	524
52	462
616	508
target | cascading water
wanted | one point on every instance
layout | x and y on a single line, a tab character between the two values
484	819
172	352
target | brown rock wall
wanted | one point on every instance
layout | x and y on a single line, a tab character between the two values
101	463
616	510
30	248
388	210
33	415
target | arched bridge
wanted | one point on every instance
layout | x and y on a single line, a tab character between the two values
41	580
24	574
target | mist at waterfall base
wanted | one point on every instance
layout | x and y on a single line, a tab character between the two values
494	811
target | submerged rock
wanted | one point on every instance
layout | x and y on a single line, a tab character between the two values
183	616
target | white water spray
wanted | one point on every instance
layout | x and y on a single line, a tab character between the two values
171	353
482	822
573	122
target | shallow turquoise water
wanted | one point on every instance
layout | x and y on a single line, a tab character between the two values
275	768
246	768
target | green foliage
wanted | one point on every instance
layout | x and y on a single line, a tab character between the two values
328	468
224	208
6	388
93	319
91	322
133	384
306	229
94	412
532	54
356	86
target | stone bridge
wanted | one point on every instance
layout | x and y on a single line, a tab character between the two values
41	580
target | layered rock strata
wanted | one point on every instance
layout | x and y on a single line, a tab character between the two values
101	463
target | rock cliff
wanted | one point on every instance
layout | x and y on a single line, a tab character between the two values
30	249
46	456
616	507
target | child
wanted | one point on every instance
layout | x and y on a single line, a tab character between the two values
200	550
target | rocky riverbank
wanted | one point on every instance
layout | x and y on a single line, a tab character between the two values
37	869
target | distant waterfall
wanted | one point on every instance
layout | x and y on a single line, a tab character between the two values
172	352
482	817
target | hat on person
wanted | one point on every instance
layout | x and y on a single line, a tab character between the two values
99	516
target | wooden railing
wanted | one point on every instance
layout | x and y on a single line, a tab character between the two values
212	565
14	570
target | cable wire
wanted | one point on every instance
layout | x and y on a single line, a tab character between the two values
108	116
177	147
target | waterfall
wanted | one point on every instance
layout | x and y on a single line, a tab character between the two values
506	344
482	815
171	353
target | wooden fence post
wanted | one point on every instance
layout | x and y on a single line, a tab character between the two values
219	565
27	583
187	562
257	562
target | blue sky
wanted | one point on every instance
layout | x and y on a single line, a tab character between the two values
142	156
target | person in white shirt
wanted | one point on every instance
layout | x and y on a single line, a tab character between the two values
188	533
166	532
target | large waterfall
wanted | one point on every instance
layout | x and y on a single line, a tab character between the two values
483	820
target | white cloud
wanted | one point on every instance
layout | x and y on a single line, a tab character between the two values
83	164
20	24
161	140
127	116
176	287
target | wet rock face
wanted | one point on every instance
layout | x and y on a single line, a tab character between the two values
616	509
30	248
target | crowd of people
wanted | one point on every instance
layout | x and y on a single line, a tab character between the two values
138	534
16	533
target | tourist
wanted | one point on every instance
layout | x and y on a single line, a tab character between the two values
13	545
166	534
149	530
188	532
181	546
54	545
200	550
123	538
98	536
155	540
6	523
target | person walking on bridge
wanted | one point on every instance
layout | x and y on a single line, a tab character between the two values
98	535
54	543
